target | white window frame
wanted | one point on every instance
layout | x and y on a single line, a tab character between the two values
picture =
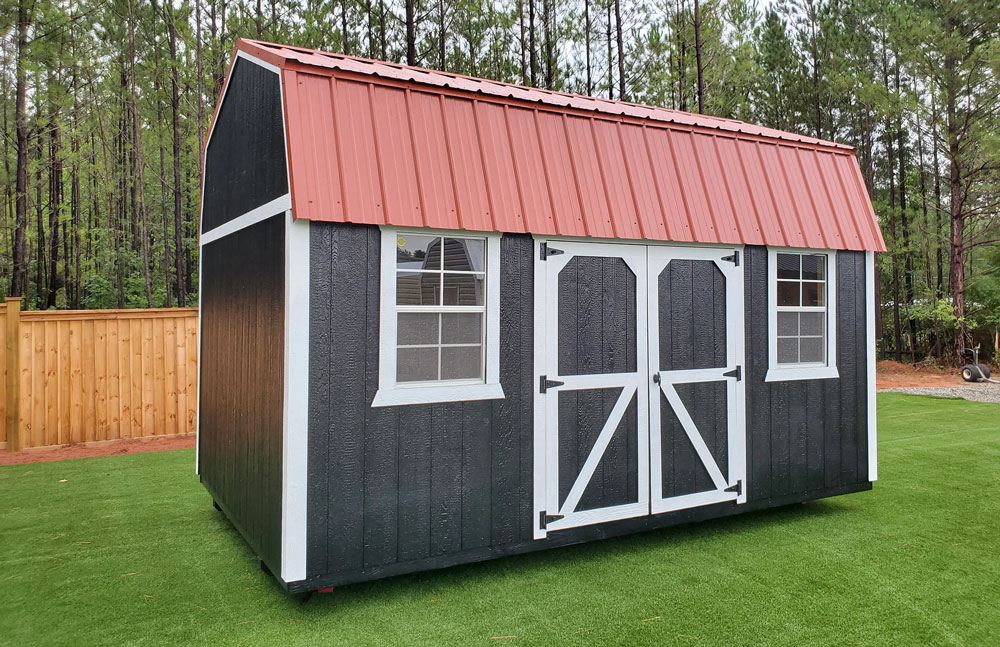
804	371
391	393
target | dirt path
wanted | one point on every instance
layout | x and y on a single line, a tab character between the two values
889	374
101	448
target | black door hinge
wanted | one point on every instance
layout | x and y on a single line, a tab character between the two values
656	377
737	488
733	258
545	519
547	251
544	384
736	372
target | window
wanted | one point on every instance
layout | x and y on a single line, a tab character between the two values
439	339
801	307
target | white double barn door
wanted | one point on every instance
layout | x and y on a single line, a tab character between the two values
639	406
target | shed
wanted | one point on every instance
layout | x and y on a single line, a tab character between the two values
445	319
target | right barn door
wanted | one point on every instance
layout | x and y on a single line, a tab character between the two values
697	441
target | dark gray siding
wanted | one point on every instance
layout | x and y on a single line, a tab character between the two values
242	364
401	489
245	161
804	436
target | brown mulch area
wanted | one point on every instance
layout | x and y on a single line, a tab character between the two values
890	374
101	448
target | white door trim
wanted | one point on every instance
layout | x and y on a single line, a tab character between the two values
546	476
659	258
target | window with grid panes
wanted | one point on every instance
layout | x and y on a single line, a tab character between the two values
440	308
801	304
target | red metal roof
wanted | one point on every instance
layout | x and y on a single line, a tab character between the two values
379	143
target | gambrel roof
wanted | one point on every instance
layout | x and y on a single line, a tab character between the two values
381	143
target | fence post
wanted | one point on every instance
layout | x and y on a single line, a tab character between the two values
12	339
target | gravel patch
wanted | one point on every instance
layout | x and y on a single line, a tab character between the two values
977	392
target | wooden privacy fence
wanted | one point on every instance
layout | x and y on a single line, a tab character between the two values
73	376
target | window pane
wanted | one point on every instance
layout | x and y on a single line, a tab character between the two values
463	362
416	364
788	350
788	293
812	294
462	328
417	328
464	289
814	267
788	324
811	349
415	252
788	266
418	288
812	323
465	254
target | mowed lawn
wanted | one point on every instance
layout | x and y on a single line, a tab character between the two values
129	551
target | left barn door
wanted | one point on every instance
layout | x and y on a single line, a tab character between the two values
592	384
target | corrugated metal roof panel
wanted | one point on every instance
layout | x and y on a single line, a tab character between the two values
381	143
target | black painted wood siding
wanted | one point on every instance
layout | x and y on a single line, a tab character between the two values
242	364
392	484
401	489
245	160
807	435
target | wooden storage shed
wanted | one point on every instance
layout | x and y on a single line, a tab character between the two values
446	319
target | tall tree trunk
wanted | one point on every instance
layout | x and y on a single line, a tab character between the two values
611	80
175	109
957	252
345	36
19	276
905	222
41	281
55	204
139	163
411	32
622	95
532	48
586	45
383	50
697	55
523	42
200	86
939	252
890	154
547	20
442	45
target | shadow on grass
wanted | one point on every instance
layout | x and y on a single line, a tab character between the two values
537	564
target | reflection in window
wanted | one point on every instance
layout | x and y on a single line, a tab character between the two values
801	308
441	308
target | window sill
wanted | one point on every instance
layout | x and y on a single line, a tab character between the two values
789	374
398	396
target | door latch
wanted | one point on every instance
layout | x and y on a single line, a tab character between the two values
544	519
544	383
656	377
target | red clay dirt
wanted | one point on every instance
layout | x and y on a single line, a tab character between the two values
101	448
890	374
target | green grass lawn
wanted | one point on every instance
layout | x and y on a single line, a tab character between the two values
128	550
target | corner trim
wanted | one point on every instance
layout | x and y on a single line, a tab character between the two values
295	435
870	356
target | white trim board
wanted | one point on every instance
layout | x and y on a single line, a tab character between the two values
263	212
870	356
295	414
